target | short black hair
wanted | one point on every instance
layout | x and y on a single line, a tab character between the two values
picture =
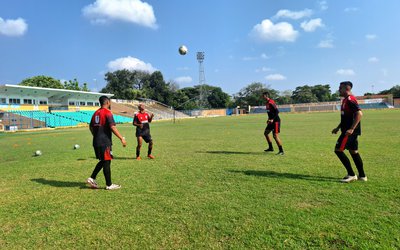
103	99
347	83
266	93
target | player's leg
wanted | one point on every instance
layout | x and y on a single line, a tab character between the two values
339	148
353	149
107	172
276	131
139	145
150	149
92	179
267	131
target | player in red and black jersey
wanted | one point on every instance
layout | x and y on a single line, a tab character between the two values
350	128
142	122
273	124
101	126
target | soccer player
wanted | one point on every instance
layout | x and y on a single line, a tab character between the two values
350	128
101	126
273	124
142	123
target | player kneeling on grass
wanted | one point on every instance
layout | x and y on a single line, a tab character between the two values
101	126
142	123
350	128
273	124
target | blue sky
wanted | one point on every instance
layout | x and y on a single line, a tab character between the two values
283	43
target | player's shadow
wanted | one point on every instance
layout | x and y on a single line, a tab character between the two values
66	184
273	174
232	152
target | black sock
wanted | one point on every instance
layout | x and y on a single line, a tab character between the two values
97	169
346	162
359	164
149	150
107	172
270	145
280	149
137	151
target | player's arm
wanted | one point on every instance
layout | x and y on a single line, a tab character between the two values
117	134
91	130
136	122
274	112
335	130
356	121
151	117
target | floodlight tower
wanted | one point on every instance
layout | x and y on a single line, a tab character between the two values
202	79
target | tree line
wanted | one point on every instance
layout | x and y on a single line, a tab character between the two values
129	85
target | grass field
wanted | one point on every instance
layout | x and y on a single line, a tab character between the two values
211	186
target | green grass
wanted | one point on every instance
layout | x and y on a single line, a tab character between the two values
211	186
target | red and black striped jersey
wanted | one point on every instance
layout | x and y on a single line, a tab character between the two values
101	123
348	109
142	118
272	110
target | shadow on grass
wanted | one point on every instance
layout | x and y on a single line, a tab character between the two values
123	158
273	174
55	183
231	152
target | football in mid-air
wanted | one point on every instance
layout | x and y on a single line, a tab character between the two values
183	50
38	153
76	146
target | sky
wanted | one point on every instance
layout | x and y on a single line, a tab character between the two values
283	44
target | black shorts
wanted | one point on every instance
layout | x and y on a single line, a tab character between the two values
349	142
145	135
103	153
274	126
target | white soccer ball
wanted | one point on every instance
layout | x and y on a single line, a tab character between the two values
183	50
76	146
38	153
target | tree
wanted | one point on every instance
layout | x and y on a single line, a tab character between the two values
252	95
284	97
322	92
74	85
395	91
43	82
123	83
155	88
303	94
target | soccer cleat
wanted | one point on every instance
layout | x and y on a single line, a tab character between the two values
138	158
269	150
150	157
280	153
348	178
113	186
363	178
92	182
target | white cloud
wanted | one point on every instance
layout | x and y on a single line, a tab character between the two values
275	77
130	63
293	14
134	11
345	72
373	59
266	31
10	27
183	80
370	37
351	9
323	5
263	69
326	44
312	25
